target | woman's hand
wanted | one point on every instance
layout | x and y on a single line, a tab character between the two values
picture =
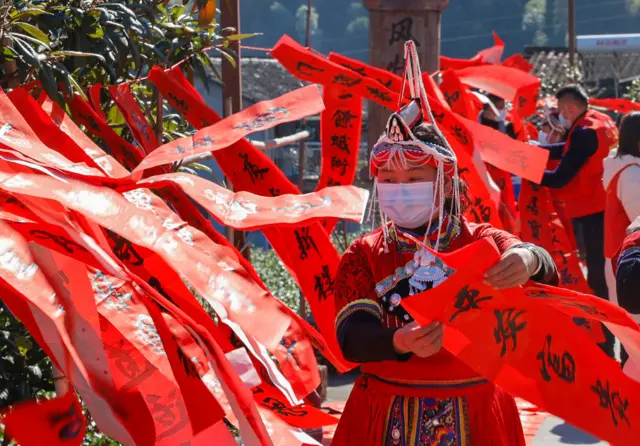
423	341
515	268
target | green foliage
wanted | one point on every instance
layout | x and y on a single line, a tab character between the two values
25	370
633	92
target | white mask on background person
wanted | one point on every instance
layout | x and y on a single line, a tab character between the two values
564	122
543	137
408	205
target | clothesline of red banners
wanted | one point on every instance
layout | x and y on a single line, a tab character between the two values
130	252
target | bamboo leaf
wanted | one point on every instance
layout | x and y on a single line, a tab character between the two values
35	32
199	166
242	36
28	13
227	56
30	39
78	54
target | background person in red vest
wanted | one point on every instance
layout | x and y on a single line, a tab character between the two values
578	179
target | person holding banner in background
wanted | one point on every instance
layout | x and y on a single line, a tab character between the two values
412	391
577	179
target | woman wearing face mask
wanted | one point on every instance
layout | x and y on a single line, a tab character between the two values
413	392
622	183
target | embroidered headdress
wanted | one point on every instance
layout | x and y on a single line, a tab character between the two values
398	147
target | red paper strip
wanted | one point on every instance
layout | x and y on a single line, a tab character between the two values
390	80
264	115
541	225
521	159
619	105
312	67
94	98
340	130
58	421
518	61
126	153
509	83
244	210
457	95
530	348
316	259
133	116
214	275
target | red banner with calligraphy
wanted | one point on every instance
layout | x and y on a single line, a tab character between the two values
57	422
526	341
133	116
307	252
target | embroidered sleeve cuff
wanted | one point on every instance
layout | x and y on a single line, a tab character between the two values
368	305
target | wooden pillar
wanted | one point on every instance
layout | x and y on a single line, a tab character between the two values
391	24
232	93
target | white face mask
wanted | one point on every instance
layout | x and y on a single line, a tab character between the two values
543	137
408	205
564	122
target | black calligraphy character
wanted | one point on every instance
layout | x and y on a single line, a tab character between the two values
507	328
554	237
612	401
305	242
589	309
124	250
522	102
282	409
466	300
535	228
438	116
460	134
566	278
332	182
481	213
341	142
343	118
387	83
340	164
534	187
72	420
344	96
274	114
204	142
204	123
143	126
463	171
66	244
307	70
274	191
180	104
396	66
345	80
324	284
90	122
452	97
537	294
289	347
360	70
123	360
533	205
564	366
582	322
401	31
181	150
165	413
381	95
252	169
518	157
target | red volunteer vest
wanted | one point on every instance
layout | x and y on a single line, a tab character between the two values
616	220
585	194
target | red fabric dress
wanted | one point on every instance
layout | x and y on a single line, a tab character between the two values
422	401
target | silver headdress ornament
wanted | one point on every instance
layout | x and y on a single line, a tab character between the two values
398	147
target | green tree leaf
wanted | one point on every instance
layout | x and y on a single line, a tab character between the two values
35	32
